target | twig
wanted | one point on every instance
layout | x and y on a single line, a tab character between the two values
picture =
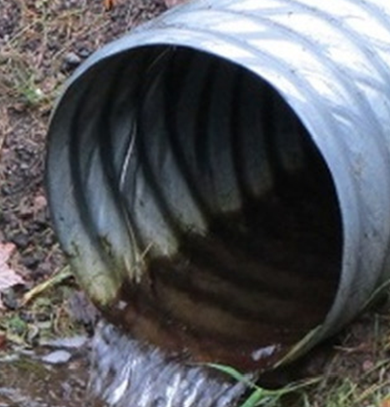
58	278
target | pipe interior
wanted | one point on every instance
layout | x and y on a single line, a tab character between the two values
228	200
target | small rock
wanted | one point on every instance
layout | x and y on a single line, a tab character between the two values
71	61
57	357
68	343
72	58
84	52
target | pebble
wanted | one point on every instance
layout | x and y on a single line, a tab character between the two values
70	62
68	343
57	357
84	52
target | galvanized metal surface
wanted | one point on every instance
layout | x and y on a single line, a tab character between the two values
164	128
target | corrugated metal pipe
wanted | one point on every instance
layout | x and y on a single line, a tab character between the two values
220	177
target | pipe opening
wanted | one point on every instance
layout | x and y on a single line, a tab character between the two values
230	205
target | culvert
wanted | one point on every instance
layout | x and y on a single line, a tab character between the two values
219	178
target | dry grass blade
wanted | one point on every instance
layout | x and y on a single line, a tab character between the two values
54	280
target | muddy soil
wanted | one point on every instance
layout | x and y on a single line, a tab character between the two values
45	377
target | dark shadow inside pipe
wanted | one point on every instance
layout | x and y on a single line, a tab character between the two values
208	154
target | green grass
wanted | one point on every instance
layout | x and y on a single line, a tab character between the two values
330	389
260	396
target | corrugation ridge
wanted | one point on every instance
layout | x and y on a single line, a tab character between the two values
104	137
226	194
382	69
202	143
378	135
347	82
303	39
190	160
328	18
251	180
377	12
106	153
75	166
283	67
355	38
235	136
149	61
121	158
171	126
324	116
240	307
201	146
146	162
163	200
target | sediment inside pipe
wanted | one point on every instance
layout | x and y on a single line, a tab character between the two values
230	205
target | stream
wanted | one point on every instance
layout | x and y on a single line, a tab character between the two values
109	370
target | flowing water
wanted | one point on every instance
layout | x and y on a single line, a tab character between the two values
113	371
126	373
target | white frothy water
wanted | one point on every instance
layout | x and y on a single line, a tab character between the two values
126	373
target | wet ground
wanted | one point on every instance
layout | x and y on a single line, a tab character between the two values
52	376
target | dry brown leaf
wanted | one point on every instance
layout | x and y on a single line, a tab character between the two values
109	4
8	277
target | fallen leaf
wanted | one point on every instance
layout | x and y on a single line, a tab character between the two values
8	277
385	402
109	4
